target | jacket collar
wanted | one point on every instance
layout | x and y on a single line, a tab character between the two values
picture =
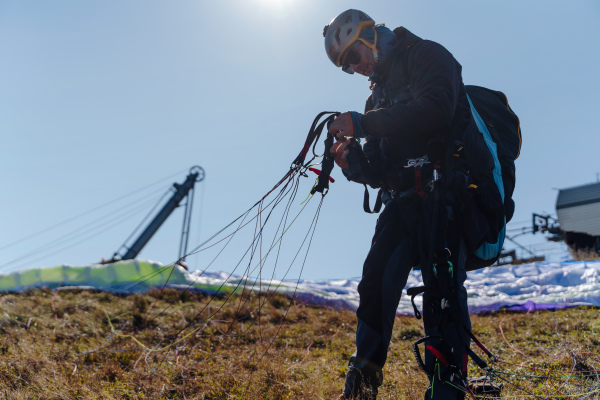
406	39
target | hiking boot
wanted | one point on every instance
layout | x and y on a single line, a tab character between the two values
344	397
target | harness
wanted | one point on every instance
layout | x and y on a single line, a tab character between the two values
418	185
417	164
442	284
442	278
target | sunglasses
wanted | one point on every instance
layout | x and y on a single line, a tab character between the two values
353	57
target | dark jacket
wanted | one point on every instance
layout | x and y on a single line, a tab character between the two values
419	107
418	99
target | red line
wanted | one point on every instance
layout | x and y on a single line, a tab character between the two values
511	346
545	370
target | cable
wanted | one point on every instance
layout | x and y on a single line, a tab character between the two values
119	221
234	289
76	234
129	286
192	322
87	212
218	290
281	195
254	250
198	233
313	227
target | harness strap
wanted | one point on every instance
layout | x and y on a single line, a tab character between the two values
418	184
318	172
314	133
417	353
415	291
326	166
476	359
378	202
479	344
438	354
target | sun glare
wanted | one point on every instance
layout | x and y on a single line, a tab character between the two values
275	2
277	6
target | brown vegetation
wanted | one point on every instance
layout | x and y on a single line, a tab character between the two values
90	345
584	254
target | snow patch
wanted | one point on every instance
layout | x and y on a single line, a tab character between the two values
526	287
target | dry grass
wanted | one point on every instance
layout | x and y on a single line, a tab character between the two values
584	255
280	351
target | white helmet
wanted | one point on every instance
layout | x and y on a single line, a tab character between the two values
343	31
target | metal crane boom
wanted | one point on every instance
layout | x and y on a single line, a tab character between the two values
181	190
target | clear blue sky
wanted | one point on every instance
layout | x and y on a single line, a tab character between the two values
99	98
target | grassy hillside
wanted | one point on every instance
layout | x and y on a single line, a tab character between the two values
82	344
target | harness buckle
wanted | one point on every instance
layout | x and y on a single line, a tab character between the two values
431	183
444	303
417	162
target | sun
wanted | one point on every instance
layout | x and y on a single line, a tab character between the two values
277	5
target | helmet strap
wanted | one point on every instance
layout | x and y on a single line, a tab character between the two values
373	46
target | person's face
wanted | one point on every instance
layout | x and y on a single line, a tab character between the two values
360	59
